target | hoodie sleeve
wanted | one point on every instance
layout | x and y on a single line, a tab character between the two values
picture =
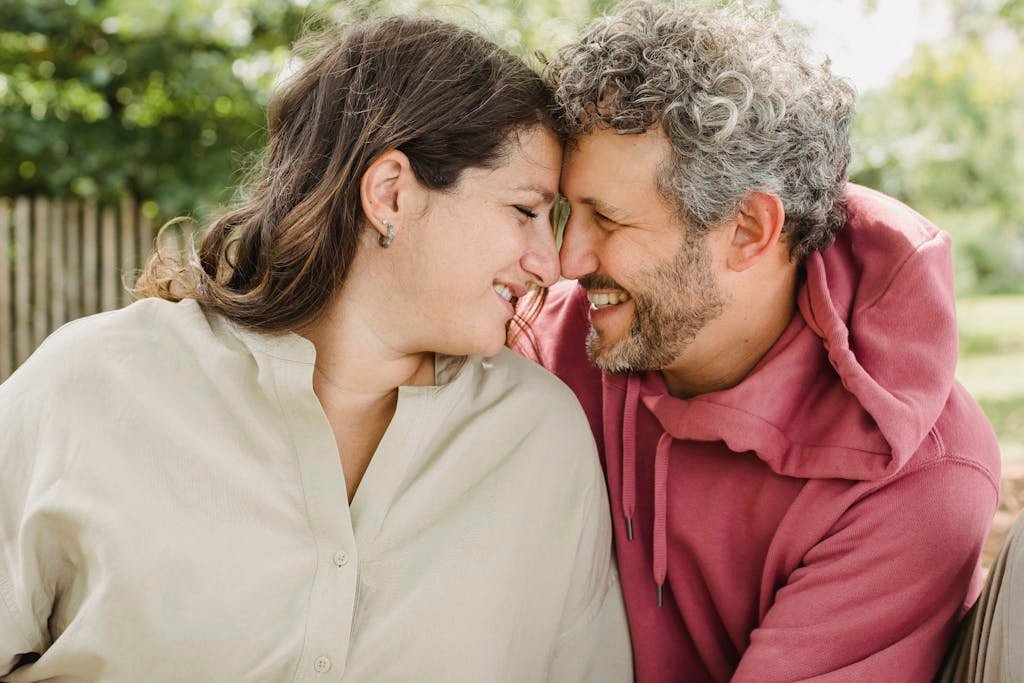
879	597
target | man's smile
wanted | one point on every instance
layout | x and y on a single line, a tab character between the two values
604	298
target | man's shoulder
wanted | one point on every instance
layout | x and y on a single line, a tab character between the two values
557	339
875	220
964	436
560	329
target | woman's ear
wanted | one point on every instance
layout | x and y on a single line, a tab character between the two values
382	189
757	230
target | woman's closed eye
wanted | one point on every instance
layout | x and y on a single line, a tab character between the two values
525	211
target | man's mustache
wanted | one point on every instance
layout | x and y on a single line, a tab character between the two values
595	281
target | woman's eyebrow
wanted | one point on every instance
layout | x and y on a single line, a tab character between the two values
547	195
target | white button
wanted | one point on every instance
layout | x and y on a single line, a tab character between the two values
340	558
322	665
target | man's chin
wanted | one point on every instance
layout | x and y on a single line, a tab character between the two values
607	355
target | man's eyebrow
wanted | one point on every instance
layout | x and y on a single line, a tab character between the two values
547	195
607	209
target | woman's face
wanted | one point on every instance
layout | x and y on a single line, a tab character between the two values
480	246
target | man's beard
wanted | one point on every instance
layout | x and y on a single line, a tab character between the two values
671	304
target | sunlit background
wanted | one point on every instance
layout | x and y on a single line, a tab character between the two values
163	103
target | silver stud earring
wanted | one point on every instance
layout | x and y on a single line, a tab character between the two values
385	241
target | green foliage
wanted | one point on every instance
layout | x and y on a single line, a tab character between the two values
991	364
1013	12
166	100
946	138
98	98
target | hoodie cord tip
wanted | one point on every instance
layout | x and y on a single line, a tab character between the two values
660	591
629	528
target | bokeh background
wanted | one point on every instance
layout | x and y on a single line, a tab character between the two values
156	110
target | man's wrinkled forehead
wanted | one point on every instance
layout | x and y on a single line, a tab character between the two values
605	164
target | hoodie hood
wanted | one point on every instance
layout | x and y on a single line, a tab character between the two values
855	383
883	304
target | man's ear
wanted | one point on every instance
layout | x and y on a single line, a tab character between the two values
757	230
382	187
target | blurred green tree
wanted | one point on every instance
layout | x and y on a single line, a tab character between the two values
1013	12
945	138
98	98
166	100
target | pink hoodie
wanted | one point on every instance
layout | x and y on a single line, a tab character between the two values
823	519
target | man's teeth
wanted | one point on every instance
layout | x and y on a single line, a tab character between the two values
600	300
504	292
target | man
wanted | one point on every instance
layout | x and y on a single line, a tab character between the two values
800	489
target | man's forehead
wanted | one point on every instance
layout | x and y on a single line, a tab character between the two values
606	137
615	163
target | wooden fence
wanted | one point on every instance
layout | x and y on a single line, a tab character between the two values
63	259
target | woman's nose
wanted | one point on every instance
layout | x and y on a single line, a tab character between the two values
541	259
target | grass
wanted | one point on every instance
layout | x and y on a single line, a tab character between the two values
992	364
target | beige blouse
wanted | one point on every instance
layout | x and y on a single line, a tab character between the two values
173	508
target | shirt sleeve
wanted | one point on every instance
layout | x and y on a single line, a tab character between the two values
594	644
1011	608
22	596
986	648
13	640
880	596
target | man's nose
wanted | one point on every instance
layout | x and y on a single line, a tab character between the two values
577	257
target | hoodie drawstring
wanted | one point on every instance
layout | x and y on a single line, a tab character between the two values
661	512
660	559
629	452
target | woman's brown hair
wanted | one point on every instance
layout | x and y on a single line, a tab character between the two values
446	97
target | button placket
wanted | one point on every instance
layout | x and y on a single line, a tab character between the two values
330	609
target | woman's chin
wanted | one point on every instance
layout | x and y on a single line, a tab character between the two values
474	345
489	347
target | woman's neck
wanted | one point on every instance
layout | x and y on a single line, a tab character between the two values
353	359
356	380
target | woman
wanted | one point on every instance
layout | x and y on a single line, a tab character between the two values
987	648
305	453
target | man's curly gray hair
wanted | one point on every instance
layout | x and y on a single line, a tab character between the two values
737	99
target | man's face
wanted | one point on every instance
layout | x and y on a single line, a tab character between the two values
651	285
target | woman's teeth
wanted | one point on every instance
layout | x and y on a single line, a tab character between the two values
603	299
504	292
